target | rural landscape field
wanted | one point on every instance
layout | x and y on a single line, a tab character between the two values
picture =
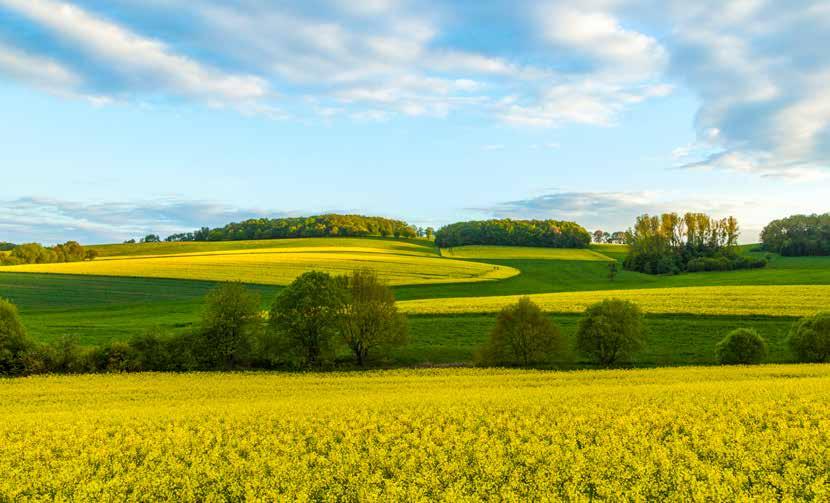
416	251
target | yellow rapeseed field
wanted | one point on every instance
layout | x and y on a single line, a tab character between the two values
795	300
279	266
686	434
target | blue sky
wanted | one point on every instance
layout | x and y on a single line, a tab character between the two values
124	117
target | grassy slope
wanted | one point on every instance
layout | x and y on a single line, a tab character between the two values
523	252
403	245
672	339
547	276
397	262
101	309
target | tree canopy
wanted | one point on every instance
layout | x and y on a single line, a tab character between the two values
301	227
34	253
669	243
507	232
798	235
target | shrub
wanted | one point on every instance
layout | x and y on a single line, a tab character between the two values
610	331
71	358
810	338
181	350
151	351
523	335
304	320
117	356
369	321
229	324
742	346
14	343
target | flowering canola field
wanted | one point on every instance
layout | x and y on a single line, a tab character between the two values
690	434
279	266
769	300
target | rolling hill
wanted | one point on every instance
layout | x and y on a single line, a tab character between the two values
451	294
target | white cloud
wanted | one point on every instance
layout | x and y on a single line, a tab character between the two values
582	101
761	76
598	36
49	220
143	60
42	72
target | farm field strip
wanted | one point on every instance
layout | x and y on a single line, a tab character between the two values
168	248
270	251
685	434
281	268
790	300
522	253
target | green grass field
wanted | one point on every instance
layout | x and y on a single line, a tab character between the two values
688	313
523	253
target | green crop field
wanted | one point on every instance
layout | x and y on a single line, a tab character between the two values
688	313
522	252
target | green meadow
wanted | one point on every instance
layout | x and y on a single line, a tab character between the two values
99	309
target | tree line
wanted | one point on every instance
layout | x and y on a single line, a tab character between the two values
694	242
318	314
508	232
308	325
798	235
34	253
603	237
301	227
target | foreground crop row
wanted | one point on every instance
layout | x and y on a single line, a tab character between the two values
677	434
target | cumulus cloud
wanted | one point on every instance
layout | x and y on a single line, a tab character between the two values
761	76
48	220
599	37
140	61
758	68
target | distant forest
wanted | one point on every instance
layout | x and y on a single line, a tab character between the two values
302	227
34	253
798	235
507	232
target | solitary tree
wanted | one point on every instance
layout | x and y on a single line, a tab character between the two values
741	346
13	340
610	330
369	319
810	338
305	316
523	335
612	270
230	322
